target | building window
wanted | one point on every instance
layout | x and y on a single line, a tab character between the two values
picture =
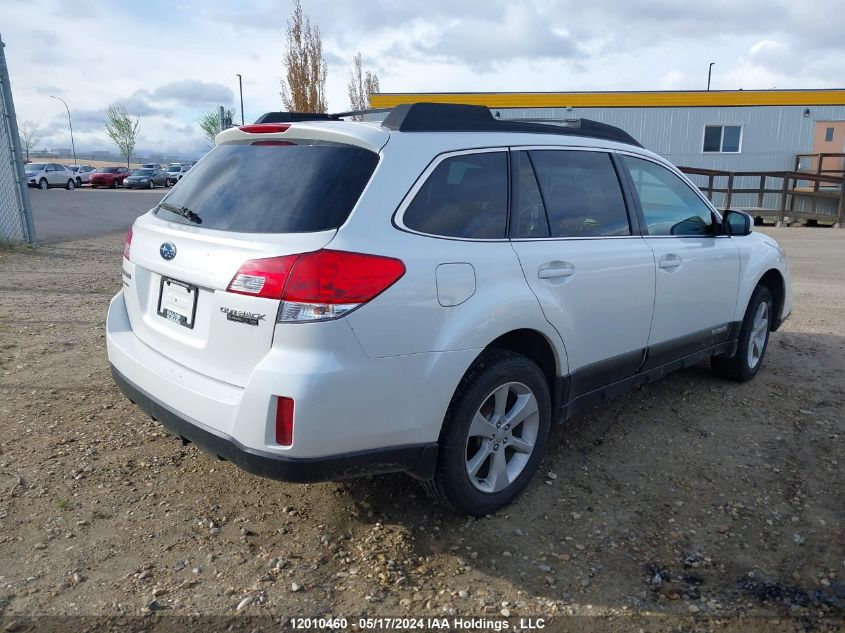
722	138
828	135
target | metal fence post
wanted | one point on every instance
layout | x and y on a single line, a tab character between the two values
11	125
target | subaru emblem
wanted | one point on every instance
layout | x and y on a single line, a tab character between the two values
167	251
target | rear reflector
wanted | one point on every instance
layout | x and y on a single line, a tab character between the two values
284	421
319	285
127	243
265	128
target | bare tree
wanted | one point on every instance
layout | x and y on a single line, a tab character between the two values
122	129
30	133
210	125
305	87
361	85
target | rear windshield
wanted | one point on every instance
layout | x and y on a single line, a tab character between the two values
271	188
107	170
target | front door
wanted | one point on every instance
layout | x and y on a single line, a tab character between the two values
593	276
697	266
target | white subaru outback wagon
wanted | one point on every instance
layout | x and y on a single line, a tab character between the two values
326	298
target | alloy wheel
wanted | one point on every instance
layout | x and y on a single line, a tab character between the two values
501	437
757	337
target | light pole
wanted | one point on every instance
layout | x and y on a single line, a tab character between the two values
709	71
241	89
70	125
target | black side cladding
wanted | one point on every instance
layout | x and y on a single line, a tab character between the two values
453	117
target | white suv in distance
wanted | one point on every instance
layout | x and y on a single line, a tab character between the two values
324	299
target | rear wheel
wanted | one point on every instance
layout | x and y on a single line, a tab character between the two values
494	434
43	184
753	339
71	185
79	182
114	184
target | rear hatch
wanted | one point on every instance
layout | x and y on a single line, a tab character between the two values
245	200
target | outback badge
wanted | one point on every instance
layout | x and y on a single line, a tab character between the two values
241	316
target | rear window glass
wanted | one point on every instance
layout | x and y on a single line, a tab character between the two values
465	196
271	188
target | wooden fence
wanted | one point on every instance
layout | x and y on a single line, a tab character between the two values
787	186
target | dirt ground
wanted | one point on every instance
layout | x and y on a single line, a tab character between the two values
689	504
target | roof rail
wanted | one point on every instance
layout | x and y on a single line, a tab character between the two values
454	117
457	117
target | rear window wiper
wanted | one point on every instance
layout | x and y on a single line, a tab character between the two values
185	212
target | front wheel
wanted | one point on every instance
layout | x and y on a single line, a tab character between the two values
150	185
43	184
494	434
71	185
753	339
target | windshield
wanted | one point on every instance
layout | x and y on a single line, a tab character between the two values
35	166
107	170
271	188
142	172
174	169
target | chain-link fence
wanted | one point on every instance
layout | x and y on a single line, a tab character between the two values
15	209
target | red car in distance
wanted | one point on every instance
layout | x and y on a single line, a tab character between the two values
108	177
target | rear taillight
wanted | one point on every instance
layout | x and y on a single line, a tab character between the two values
320	285
265	128
284	421
127	243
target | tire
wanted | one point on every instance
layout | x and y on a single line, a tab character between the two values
79	182
114	184
151	185
71	185
93	186
43	184
753	339
510	380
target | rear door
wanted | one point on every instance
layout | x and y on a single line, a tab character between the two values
583	258
697	266
243	202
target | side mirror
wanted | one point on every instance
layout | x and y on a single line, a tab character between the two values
737	223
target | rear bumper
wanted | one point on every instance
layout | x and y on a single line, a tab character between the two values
418	460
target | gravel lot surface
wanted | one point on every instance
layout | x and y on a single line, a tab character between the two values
688	504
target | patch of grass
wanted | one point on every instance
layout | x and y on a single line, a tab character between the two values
64	504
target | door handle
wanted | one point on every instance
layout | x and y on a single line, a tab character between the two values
551	273
670	262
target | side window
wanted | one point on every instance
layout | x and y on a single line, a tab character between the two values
465	196
669	205
528	213
581	193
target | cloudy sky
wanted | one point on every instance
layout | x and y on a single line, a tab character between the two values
167	61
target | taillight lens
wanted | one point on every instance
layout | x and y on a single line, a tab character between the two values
127	243
263	277
320	285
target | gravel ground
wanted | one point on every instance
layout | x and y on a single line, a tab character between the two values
689	503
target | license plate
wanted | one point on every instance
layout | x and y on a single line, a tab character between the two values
177	302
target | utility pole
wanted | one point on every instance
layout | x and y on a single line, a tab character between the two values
241	89
70	125
221	115
709	71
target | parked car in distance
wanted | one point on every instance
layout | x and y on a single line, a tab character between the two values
175	173
150	166
108	177
146	178
457	285
83	173
46	175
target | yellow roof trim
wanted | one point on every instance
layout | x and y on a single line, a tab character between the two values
693	98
